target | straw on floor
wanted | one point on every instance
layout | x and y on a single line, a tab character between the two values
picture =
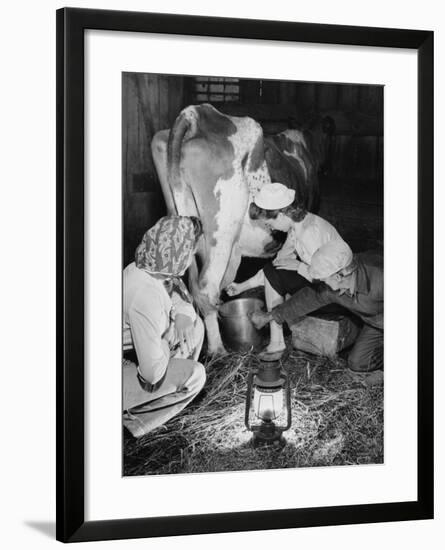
337	419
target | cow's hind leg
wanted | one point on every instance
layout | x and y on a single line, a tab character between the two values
208	310
222	262
215	343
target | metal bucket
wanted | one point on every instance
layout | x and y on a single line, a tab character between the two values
237	330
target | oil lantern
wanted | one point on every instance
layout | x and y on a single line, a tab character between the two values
268	408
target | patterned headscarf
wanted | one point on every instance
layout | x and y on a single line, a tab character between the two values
167	248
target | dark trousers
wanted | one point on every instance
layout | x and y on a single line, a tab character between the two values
290	282
284	281
367	353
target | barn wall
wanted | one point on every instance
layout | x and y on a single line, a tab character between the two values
150	103
356	109
352	190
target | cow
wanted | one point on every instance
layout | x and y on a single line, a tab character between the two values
211	165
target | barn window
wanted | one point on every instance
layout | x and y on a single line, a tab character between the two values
215	89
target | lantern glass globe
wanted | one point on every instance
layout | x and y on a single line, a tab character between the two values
268	403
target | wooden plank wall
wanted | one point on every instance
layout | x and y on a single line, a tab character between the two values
150	103
352	193
356	109
358	143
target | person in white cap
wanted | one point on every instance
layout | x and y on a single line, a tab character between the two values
275	206
353	282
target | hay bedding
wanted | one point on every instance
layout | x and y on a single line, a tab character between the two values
337	419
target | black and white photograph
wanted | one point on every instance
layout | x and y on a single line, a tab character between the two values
252	274
227	332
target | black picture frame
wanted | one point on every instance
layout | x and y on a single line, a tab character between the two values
71	24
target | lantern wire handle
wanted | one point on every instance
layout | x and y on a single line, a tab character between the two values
288	401
250	376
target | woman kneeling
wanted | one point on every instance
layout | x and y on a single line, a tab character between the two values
162	325
276	207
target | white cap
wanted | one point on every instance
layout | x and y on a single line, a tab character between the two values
330	258
273	196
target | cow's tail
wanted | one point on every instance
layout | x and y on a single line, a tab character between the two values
184	128
193	280
185	124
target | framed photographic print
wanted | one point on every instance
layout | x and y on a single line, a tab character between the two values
245	248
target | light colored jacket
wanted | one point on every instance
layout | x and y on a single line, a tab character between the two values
303	240
147	310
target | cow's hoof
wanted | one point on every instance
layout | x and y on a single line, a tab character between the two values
217	352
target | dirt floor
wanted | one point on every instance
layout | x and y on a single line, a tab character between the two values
337	419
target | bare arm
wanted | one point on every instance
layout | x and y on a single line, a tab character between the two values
236	288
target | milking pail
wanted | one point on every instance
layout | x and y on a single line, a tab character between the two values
237	329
